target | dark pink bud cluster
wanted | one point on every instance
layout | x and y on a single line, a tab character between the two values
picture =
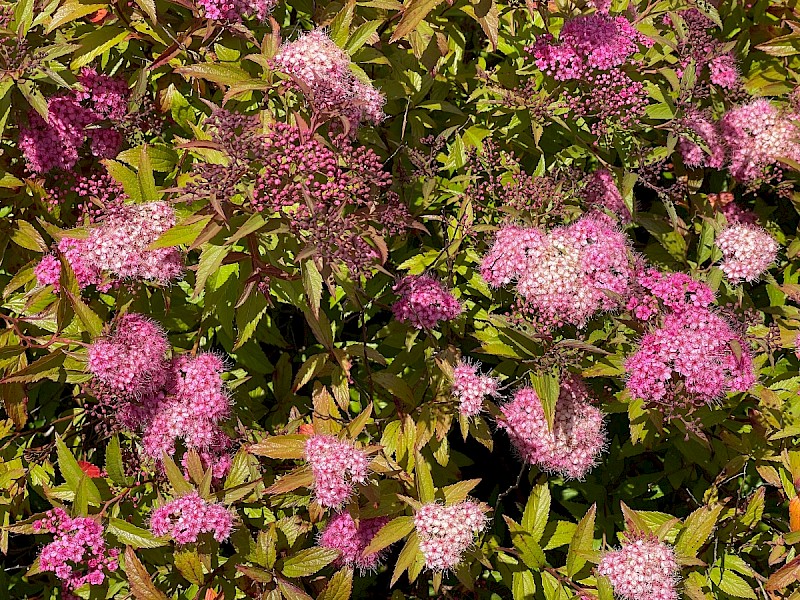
644	568
601	192
235	10
72	119
446	532
351	539
132	359
185	518
118	246
336	465
78	555
564	275
577	439
322	69
747	251
470	388
424	301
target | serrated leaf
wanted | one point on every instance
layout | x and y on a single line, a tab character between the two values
784	577
340	586
697	529
537	511
95	43
187	561
72	472
308	561
547	388
175	476
301	477
581	542
141	585
218	73
356	426
49	366
394	530
284	447
132	535
426	491
211	258
69	12
406	557
529	550
113	464
413	13
25	235
312	283
458	492
182	234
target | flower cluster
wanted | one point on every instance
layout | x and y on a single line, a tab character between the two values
322	69
749	140
351	539
132	359
185	518
577	439
601	192
118	246
747	250
445	532
235	10
470	388
644	568
566	275
336	465
78	554
72	119
424	302
675	291
694	357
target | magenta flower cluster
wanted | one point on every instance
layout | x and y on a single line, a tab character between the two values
446	532
186	517
577	439
564	275
235	10
337	465
72	119
78	555
644	568
470	387
747	251
322	69
424	302
601	192
351	539
118	247
694	356
749	140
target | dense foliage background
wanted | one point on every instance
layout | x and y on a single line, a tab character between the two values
289	211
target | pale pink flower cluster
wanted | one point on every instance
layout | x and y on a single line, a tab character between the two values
132	359
747	250
186	517
564	275
578	437
336	465
446	532
118	246
55	143
424	301
642	569
322	69
351	539
470	387
78	554
749	140
602	192
234	10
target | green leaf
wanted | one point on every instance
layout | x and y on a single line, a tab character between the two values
182	234
458	492
89	318
149	8
25	235
731	583
360	36
132	535
523	586
126	178
50	366
96	43
218	73
162	158
308	561
408	555
72	473
529	550
413	14
537	511
426	491
356	426
312	283
176	478
289	591
696	530
113	464
547	388
71	11
394	530
283	447
395	386
147	181
211	258
582	541
340	26
340	586
187	561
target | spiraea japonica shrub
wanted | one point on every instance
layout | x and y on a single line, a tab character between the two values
381	299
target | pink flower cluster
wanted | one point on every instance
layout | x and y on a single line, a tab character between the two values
185	518
78	554
642	569
424	301
564	275
446	532
578	437
470	388
601	192
750	140
336	465
119	247
747	250
132	359
351	539
322	69
54	143
234	10
693	358
675	291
